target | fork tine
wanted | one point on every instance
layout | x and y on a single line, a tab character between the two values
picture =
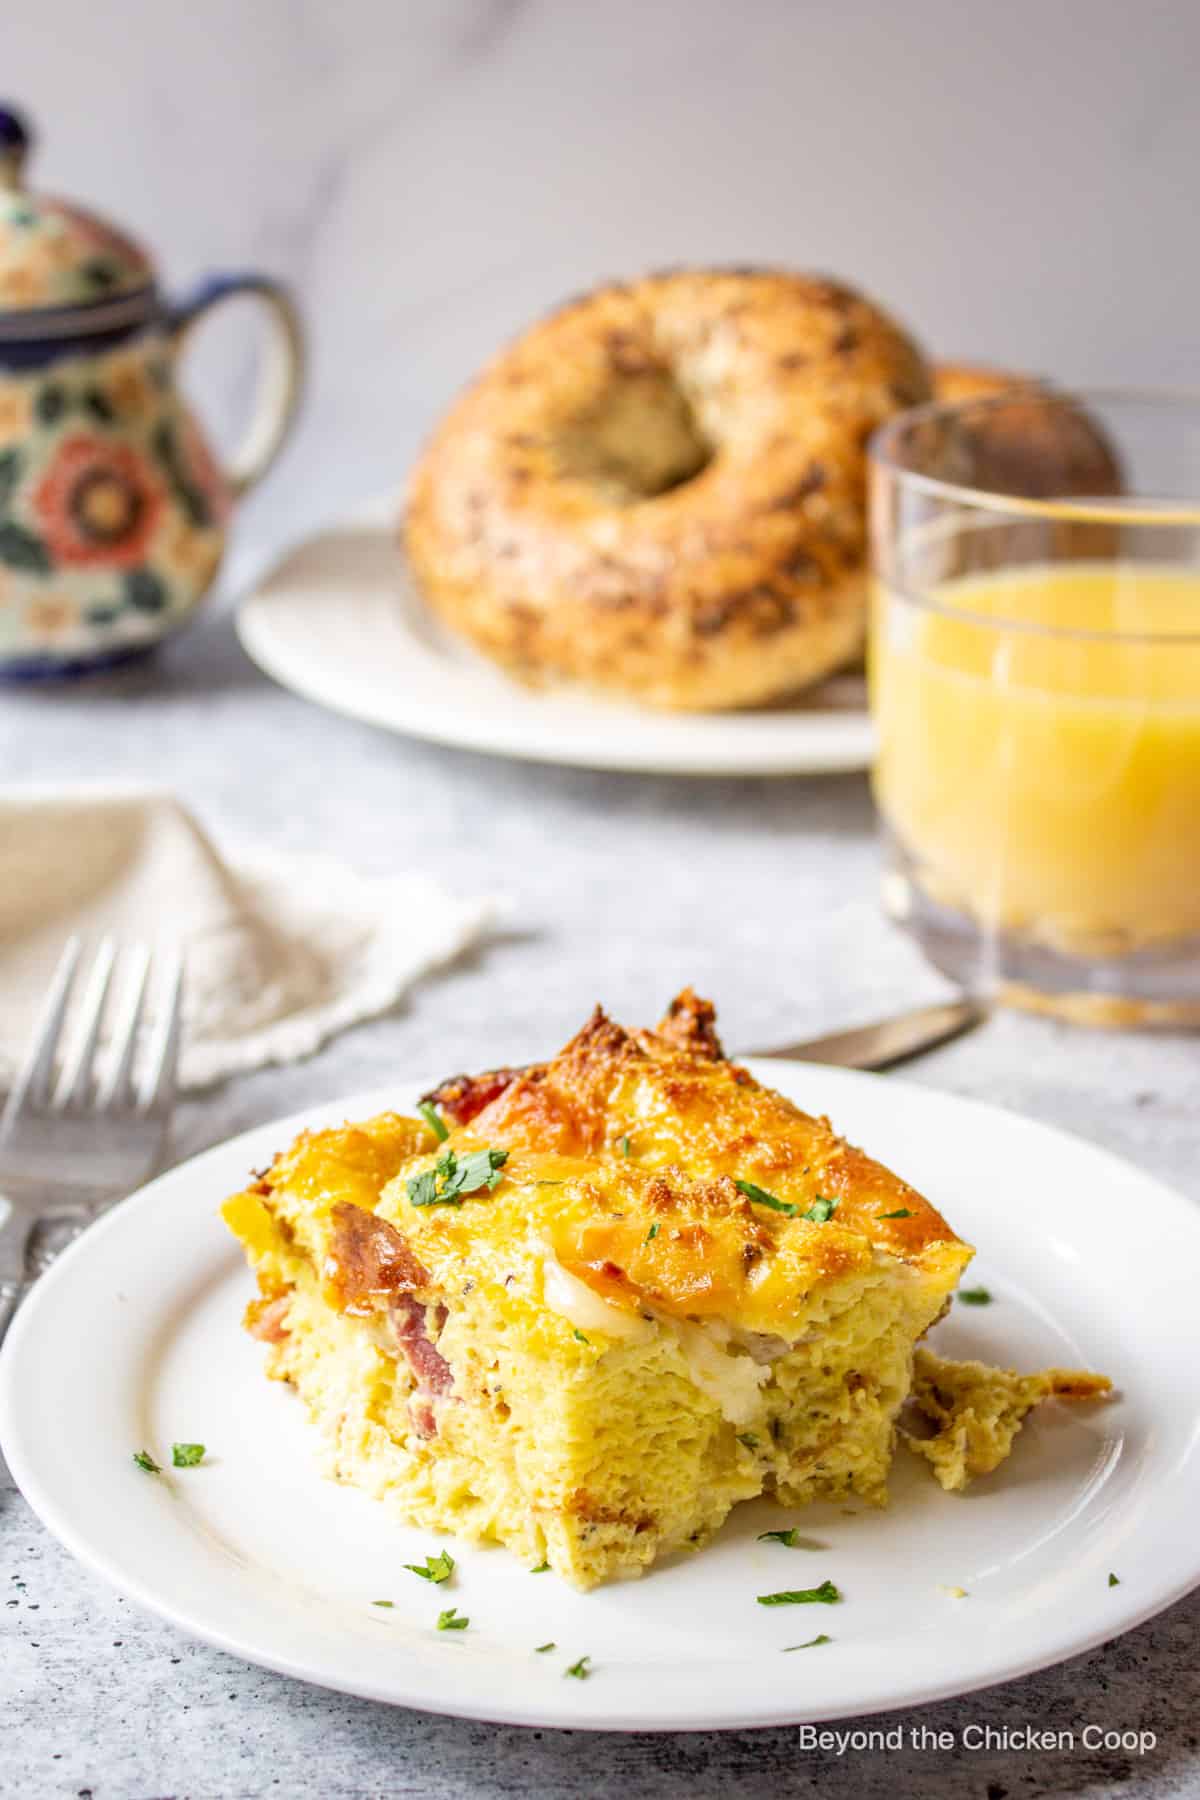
116	1089
33	1082
76	1080
158	1082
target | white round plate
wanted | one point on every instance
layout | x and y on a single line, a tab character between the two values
133	1339
339	621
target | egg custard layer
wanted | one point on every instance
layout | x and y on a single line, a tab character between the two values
585	1307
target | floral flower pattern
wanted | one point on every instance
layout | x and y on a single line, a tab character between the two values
98	502
112	506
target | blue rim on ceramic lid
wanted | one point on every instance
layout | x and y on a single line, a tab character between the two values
65	274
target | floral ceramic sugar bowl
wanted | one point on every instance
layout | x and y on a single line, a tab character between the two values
112	507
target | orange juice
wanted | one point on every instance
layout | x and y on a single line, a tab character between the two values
1039	749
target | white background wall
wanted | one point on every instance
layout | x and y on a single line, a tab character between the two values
1018	181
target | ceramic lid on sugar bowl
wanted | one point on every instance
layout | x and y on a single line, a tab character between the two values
56	258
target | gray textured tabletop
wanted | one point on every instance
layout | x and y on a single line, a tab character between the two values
620	888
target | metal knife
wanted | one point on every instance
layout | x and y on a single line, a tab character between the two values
887	1041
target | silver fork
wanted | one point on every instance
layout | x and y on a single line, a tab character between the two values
79	1130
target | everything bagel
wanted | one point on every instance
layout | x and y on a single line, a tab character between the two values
659	491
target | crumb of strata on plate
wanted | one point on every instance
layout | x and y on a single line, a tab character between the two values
585	1307
978	1410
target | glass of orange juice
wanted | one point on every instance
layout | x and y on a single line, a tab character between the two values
1035	682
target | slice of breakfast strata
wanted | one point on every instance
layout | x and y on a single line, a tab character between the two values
585	1307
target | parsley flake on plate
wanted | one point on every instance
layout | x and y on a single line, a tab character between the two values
541	1649
383	1603
901	1212
437	1568
825	1595
434	1120
542	1569
579	1669
1113	1580
452	1620
186	1456
791	1538
452	1177
144	1460
580	1336
821	1638
976	1296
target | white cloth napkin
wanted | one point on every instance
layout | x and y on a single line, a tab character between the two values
282	950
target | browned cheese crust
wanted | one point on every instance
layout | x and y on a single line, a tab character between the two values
660	491
702	1122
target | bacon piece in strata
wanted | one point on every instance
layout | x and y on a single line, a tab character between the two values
689	1024
462	1097
411	1323
567	1100
369	1259
265	1319
423	1417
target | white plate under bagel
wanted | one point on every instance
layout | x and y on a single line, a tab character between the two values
339	620
133	1339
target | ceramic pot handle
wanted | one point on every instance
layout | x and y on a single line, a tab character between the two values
283	370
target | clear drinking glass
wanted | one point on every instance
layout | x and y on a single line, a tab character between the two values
1035	681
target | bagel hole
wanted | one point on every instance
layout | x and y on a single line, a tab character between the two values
639	440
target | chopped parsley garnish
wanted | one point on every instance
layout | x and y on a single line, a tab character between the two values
144	1460
652	1233
1113	1580
434	1120
549	1181
542	1569
975	1296
541	1649
581	1337
626	1147
761	1197
821	1210
821	1638
451	1177
186	1456
452	1620
819	1213
791	1537
901	1212
437	1568
825	1595
748	1438
579	1669
383	1603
